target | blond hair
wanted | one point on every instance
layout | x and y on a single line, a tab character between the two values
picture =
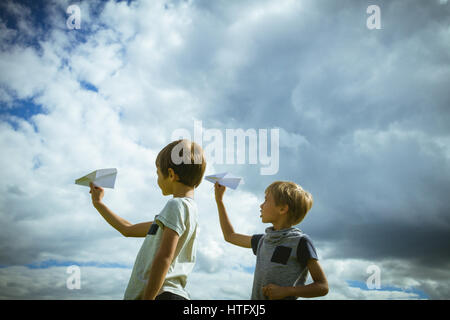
291	194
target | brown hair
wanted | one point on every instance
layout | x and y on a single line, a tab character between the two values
291	194
186	159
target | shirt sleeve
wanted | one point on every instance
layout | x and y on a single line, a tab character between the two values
255	241
306	250
172	216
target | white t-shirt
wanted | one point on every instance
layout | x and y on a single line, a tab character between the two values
180	215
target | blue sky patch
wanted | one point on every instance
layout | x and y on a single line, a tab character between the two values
24	109
88	86
57	263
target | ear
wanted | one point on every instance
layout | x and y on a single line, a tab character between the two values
284	209
172	175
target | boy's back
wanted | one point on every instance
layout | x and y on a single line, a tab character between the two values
180	215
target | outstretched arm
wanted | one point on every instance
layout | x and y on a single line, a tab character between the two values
120	224
225	224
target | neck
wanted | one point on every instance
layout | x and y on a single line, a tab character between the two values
280	225
180	190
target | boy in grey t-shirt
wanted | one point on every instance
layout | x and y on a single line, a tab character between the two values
284	254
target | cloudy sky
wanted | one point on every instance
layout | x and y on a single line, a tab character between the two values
363	118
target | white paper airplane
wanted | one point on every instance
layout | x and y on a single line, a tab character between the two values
225	179
104	178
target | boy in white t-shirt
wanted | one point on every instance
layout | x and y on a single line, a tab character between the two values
167	255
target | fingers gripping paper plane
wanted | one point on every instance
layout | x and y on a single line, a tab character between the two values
225	179
104	178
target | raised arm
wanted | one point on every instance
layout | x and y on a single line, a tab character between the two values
229	235
126	228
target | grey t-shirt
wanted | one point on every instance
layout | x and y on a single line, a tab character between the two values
281	259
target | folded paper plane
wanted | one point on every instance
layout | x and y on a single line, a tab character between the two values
104	178
225	179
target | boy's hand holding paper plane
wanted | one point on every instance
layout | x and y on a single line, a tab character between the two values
102	178
224	179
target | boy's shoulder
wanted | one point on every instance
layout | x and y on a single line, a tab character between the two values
180	206
290	233
180	202
178	214
293	237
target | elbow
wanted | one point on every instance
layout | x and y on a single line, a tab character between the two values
163	259
323	289
125	231
228	238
